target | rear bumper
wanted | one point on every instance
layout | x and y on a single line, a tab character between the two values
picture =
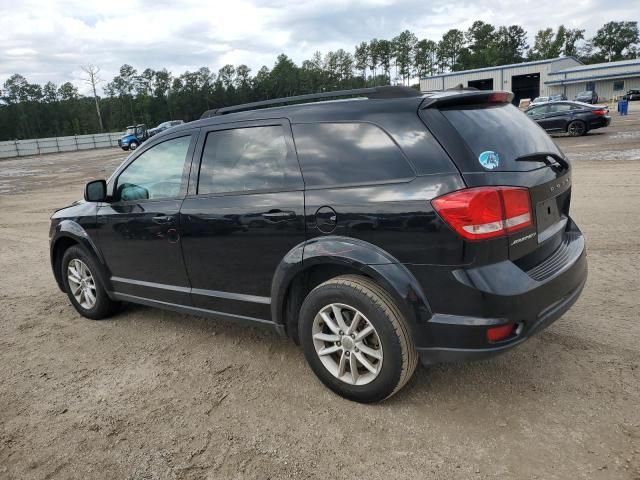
431	355
470	301
599	123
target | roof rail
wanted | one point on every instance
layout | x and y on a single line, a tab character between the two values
371	93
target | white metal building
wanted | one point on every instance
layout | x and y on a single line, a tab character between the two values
545	77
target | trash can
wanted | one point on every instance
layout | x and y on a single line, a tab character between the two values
623	106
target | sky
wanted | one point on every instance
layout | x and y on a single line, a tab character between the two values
50	39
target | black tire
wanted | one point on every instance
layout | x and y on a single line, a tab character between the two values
400	356
104	306
125	148
133	145
577	128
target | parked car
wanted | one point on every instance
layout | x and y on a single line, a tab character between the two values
539	100
557	97
574	118
400	227
588	96
164	126
133	137
633	95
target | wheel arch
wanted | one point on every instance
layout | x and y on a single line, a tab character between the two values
67	234
313	262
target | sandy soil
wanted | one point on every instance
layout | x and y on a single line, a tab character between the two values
153	394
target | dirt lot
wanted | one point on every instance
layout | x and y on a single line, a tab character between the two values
152	394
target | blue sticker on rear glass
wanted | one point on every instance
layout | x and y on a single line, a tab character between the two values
489	160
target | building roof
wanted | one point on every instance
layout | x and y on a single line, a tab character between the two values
502	67
598	66
587	77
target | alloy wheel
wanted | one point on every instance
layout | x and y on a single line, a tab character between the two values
347	344
576	129
81	283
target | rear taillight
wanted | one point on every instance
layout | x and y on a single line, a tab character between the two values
600	112
485	212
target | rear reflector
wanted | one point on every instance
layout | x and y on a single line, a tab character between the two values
485	212
495	334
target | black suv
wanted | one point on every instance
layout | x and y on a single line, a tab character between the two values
373	230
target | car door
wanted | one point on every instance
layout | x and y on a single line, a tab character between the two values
139	230
538	114
558	116
243	213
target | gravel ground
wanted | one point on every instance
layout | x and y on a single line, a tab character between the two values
153	394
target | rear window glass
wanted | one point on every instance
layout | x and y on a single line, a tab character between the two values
333	154
502	129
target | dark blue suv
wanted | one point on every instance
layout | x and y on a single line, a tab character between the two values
386	227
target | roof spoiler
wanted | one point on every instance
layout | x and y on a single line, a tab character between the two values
466	97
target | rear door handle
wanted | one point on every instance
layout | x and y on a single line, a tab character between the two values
279	215
164	219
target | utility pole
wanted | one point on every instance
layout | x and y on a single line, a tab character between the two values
93	79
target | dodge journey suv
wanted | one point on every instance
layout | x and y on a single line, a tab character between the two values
374	227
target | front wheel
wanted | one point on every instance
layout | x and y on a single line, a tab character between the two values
133	145
83	284
576	128
356	340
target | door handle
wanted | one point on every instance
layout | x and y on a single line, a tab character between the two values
163	219
279	215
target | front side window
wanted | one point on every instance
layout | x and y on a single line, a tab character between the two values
247	159
533	112
156	173
348	153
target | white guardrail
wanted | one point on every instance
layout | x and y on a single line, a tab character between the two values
38	146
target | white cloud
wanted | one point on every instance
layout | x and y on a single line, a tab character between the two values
49	39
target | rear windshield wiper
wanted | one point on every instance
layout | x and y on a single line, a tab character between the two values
546	158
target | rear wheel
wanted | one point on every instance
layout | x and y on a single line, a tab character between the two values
81	280
356	340
576	128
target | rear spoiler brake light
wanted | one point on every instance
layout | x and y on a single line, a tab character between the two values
475	97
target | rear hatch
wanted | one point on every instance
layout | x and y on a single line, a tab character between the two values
493	143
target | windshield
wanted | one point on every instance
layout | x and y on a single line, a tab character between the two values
541	99
503	130
585	93
130	131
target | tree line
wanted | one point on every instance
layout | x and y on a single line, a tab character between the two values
30	110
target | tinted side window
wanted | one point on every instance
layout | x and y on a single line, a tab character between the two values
559	107
536	111
247	159
156	173
348	153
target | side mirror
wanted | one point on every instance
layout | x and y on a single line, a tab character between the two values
95	191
